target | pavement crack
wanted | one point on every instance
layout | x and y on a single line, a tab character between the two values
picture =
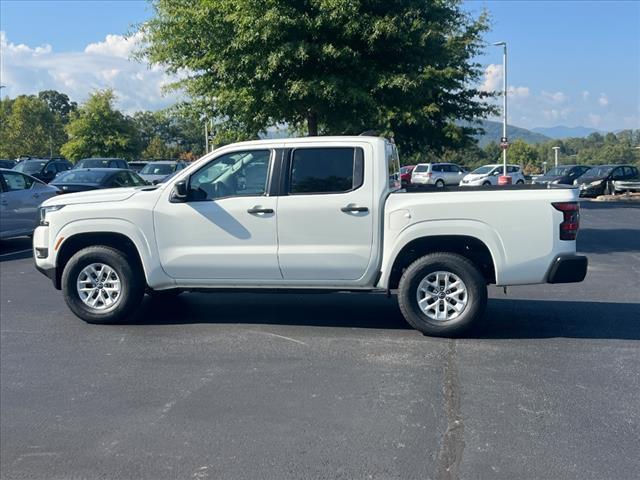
453	441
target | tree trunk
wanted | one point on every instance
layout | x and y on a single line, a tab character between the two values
312	124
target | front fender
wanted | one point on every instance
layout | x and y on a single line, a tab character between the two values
432	228
154	274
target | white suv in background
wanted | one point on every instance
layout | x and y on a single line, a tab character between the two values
438	174
488	175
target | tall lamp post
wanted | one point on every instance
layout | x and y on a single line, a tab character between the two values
555	149
504	141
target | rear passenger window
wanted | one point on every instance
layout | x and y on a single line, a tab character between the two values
326	170
513	169
437	168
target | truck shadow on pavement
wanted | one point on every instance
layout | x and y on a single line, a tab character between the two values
505	318
593	240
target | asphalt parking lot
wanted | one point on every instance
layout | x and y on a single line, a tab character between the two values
329	385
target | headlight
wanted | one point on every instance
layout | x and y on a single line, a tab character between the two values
43	211
596	183
555	182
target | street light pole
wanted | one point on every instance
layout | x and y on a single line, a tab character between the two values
504	101
555	149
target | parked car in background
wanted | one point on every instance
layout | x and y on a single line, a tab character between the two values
83	179
438	174
137	165
155	172
563	174
599	180
20	196
488	175
405	175
8	164
623	186
43	169
102	163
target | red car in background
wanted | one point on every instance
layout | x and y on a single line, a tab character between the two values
405	175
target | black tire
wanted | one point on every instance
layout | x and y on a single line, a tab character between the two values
439	183
448	262
131	289
486	184
520	182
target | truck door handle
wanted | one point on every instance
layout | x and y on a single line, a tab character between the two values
257	209
354	208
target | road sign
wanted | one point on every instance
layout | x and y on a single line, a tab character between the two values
503	139
504	145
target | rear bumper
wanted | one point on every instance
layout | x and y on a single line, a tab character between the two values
568	269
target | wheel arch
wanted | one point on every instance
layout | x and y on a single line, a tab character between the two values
471	239
73	244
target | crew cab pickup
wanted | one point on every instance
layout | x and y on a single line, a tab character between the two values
321	213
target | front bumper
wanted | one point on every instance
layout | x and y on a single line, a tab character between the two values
591	191
568	269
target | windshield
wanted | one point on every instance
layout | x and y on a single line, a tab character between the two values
29	167
158	168
94	163
405	170
84	176
598	172
559	171
483	170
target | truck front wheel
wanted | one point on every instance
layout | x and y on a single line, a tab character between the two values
102	285
442	294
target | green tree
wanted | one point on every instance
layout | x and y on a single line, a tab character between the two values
29	128
402	67
58	103
97	129
158	149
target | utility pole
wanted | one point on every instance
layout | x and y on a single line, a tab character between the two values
504	141
555	149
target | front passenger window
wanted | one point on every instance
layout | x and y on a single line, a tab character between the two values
232	175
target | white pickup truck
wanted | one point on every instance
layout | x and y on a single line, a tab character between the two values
322	213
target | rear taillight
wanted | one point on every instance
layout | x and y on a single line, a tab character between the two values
571	219
429	174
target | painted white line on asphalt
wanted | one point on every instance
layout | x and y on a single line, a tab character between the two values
15	253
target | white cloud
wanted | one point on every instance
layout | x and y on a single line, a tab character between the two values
603	100
585	94
492	78
27	70
518	92
115	46
594	120
554	97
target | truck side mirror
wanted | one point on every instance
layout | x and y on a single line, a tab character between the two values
180	191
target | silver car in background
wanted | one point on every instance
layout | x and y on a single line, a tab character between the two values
438	174
20	196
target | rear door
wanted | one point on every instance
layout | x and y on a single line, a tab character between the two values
325	219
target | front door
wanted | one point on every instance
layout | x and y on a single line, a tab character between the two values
325	217
19	203
226	228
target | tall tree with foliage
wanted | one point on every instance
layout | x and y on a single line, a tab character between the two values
29	127
402	67
58	103
97	129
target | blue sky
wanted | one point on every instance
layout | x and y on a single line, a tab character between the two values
570	62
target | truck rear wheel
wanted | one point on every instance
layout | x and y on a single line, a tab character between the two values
102	285
442	294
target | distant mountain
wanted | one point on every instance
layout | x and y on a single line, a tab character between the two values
493	133
562	131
